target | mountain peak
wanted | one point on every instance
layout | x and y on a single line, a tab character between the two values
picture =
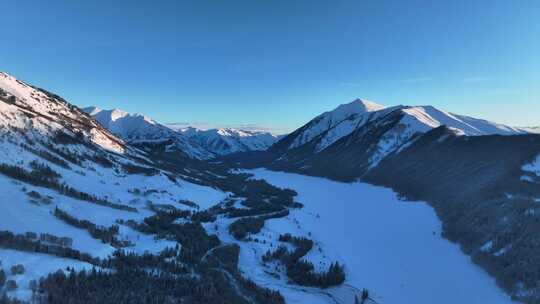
115	114
358	106
92	110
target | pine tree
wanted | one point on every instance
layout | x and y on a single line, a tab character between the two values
2	278
365	295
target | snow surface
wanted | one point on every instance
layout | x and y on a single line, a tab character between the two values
533	167
535	130
429	117
19	215
36	266
389	246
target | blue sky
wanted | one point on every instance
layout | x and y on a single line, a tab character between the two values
279	63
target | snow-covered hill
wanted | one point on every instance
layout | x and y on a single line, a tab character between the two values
225	141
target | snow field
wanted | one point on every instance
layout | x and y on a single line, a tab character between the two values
391	247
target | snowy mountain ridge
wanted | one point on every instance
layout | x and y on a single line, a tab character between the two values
140	129
400	124
196	143
225	141
42	114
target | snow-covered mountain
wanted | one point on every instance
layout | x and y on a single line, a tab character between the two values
142	130
535	130
394	126
335	124
225	141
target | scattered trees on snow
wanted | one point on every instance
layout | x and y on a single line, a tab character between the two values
301	271
17	269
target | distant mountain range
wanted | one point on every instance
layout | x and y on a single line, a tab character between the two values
401	125
189	141
225	141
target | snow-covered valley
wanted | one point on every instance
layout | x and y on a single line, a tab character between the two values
378	237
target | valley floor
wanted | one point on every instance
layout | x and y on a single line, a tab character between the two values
391	247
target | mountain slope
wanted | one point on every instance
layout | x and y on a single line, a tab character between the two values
54	155
38	113
485	190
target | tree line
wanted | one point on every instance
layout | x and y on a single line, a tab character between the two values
105	234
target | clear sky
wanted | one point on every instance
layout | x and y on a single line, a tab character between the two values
279	63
